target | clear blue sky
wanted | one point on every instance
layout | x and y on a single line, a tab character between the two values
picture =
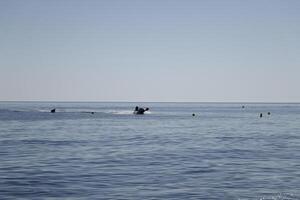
155	50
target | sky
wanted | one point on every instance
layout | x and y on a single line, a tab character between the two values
150	50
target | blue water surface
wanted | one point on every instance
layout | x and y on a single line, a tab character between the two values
223	152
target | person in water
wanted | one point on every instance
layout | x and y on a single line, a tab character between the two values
53	110
140	111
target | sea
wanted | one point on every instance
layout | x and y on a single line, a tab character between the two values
225	152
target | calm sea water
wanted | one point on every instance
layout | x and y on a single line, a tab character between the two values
224	152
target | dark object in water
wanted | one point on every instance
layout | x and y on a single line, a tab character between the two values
136	109
243	106
260	115
92	113
53	110
269	113
193	115
140	111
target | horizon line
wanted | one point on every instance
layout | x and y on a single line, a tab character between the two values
121	101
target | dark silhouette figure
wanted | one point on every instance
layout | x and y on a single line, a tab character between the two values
260	115
243	106
140	111
92	113
193	115
269	113
53	110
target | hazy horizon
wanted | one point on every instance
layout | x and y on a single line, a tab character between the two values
150	51
179	102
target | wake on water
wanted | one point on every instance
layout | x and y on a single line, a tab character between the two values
62	110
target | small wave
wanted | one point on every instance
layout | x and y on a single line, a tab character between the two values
279	196
16	110
115	112
43	110
75	110
70	110
124	112
120	112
